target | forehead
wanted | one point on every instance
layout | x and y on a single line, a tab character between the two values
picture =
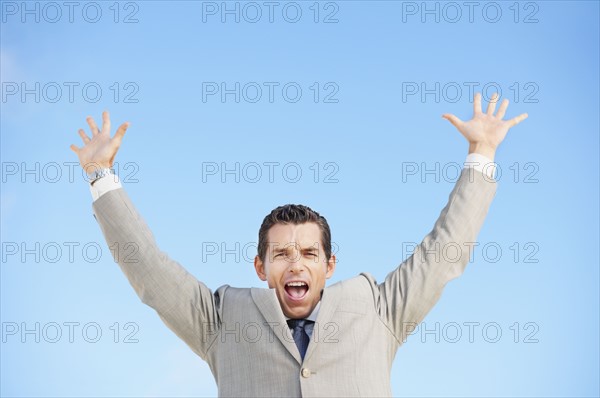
305	235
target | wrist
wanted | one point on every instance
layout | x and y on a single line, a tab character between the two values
482	149
91	167
98	173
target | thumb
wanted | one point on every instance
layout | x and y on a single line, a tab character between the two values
453	119
121	132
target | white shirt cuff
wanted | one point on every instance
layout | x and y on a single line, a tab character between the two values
105	184
482	163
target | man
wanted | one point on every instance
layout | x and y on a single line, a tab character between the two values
299	338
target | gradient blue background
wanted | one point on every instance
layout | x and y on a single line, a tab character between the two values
370	134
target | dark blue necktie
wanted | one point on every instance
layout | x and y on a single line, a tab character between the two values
300	336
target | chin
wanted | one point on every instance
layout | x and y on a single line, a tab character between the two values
299	311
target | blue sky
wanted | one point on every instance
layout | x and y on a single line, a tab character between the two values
362	142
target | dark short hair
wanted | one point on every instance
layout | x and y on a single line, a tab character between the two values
293	214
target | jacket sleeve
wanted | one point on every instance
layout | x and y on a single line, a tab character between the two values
410	291
184	304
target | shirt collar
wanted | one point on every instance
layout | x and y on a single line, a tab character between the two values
313	314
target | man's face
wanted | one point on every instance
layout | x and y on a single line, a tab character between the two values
295	266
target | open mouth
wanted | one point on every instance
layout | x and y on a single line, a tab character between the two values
296	290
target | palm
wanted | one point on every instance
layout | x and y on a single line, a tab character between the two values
486	128
100	150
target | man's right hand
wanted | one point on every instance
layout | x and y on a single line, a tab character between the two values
99	151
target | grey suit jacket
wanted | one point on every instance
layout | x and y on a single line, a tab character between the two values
243	335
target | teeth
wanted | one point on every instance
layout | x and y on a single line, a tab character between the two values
296	284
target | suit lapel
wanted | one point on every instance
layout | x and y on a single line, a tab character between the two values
329	303
267	303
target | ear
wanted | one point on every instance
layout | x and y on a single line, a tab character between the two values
259	266
330	267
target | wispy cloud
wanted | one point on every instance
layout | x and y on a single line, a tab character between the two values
8	67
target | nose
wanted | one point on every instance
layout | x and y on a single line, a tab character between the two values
296	266
295	260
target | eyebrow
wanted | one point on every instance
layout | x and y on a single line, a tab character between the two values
306	249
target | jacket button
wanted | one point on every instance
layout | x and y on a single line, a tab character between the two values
305	372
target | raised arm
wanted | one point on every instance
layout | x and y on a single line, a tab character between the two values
410	291
184	304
